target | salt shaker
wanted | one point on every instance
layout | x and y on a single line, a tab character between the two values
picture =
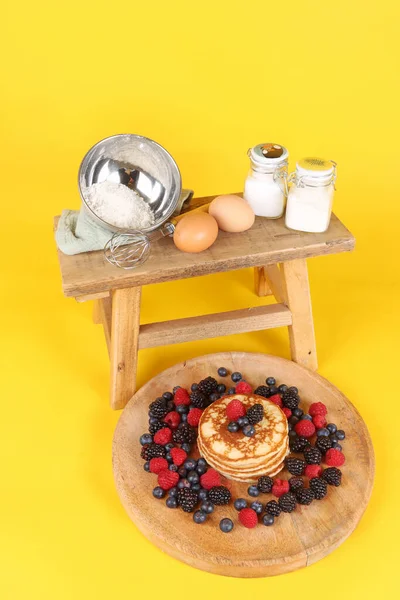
265	188
310	198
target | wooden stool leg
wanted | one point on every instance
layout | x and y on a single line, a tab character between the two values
124	345
260	282
297	297
96	312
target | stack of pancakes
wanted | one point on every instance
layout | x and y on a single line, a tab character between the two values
237	456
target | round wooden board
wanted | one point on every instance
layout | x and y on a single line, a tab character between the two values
295	540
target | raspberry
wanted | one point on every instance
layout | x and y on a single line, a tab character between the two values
178	456
313	471
167	479
163	436
305	428
172	419
248	517
181	397
158	464
243	388
319	421
334	458
235	409
317	408
287	412
280	487
276	399
193	417
210	479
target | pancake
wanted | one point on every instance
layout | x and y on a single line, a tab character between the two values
237	456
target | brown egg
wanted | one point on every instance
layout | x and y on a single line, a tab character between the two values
232	213
195	232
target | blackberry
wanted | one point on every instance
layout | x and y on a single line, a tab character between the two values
332	476
158	408
154	427
296	483
264	484
187	499
299	444
208	385
287	502
184	434
262	390
319	487
198	399
290	400
295	466
323	444
219	495
152	451
273	508
255	414
305	496
312	456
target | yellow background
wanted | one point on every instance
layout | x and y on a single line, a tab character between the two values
207	80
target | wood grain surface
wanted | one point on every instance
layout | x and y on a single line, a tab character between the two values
294	541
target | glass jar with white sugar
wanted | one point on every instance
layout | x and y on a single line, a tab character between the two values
265	188
310	198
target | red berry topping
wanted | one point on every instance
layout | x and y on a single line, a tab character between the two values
167	479
193	417
334	458
210	479
317	408
319	421
287	412
243	388
181	397
305	428
235	409
276	399
248	517
178	456
163	436
280	487
158	464
172	419
313	471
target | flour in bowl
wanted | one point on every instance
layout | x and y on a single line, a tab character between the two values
118	205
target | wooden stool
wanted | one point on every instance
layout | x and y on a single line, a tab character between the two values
278	256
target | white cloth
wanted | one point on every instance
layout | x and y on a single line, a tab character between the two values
77	232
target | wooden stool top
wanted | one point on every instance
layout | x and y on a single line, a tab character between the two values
267	242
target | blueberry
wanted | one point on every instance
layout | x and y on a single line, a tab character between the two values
257	506
253	491
334	439
249	430
173	492
207	507
297	412
193	477
268	520
170	406
322	432
293	420
214	397
340	434
226	525
182	472
199	517
233	427
182	409
201	470
202	462
194	387
196	487
173	468
293	389
177	387
236	376
231	391
306	418
169	457
184	418
292	433
153	420
190	464
273	390
158	492
146	438
331	427
242	421
222	372
203	494
221	389
337	446
282	388
186	447
167	396
240	503
171	502
183	483
146	466
270	381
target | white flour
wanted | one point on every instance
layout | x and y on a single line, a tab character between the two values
118	205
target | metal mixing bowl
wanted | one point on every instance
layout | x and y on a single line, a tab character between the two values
139	163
